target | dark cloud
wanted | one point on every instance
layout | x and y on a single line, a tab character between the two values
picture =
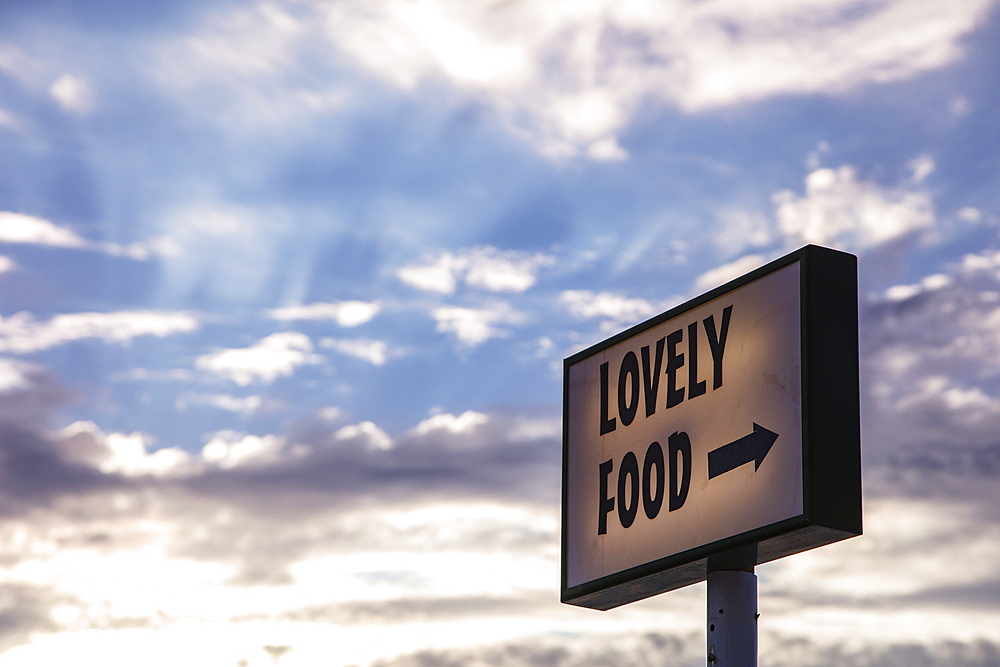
981	653
482	463
32	472
35	467
408	610
983	595
931	375
628	651
30	395
672	651
24	610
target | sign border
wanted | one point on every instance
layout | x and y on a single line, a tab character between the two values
831	439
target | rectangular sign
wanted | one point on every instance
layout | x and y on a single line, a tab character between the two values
724	430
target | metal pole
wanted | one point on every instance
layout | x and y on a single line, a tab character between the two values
732	618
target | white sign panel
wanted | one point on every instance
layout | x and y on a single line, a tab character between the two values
685	434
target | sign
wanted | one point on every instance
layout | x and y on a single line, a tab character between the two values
725	428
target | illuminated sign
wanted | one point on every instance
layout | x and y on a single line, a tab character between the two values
725	424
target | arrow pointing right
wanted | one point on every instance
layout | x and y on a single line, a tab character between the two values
752	447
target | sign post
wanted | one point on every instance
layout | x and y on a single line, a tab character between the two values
719	435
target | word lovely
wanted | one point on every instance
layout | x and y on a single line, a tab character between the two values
656	469
628	374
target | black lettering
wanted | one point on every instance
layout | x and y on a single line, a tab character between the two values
629	368
651	380
654	458
679	443
630	468
717	341
607	425
674	362
695	388
606	504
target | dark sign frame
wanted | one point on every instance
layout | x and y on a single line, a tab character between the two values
831	439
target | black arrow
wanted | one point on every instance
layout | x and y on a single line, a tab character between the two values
753	447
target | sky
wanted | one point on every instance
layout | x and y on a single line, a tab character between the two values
286	286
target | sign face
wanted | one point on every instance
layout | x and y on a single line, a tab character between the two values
697	435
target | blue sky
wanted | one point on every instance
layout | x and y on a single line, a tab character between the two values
286	289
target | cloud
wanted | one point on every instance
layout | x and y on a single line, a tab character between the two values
579	71
72	93
922	167
375	352
367	432
687	650
344	313
21	228
927	283
472	326
727	272
21	334
83	442
28	393
277	355
567	78
463	423
373	542
13	375
482	267
839	209
740	229
932	359
615	310
246	405
229	449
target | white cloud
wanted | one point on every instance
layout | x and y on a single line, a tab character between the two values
580	69
344	313
969	214
277	355
922	166
566	75
434	275
72	93
252	52
527	428
8	121
229	449
928	283
839	209
483	267
727	272
464	423
740	229
375	352
120	453
503	270
21	334
472	326
986	262
367	431
21	228
7	264
246	405
13	375
586	304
